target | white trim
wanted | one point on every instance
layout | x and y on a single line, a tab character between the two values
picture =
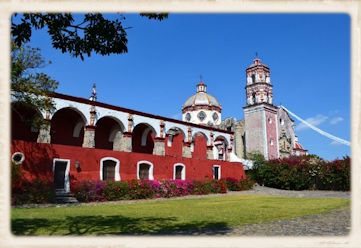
183	176
66	177
219	171
151	177
21	160
117	165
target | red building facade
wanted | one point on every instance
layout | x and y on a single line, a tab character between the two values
86	139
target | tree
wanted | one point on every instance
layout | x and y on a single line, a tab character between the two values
94	33
28	86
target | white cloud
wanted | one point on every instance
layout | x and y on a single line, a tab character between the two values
335	143
315	121
336	120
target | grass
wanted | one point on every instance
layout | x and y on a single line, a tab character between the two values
209	215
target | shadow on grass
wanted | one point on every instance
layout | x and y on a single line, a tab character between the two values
115	225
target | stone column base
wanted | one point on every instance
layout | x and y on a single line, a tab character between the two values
89	137
126	142
44	133
210	152
159	147
117	142
186	151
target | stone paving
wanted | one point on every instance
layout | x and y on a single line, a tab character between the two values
334	223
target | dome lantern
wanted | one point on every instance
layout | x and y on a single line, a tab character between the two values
202	108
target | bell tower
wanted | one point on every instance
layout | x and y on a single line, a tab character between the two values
260	115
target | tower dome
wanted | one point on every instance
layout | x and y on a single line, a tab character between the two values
202	108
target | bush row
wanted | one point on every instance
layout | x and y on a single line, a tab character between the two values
89	190
303	173
35	191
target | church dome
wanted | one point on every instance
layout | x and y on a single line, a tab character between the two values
201	98
202	108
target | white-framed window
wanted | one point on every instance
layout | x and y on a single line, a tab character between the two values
61	168
145	170
216	170
109	169
179	171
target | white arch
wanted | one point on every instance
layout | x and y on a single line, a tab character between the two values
82	116
118	121
200	132
183	176
82	108
223	138
177	130
151	177
117	165
154	123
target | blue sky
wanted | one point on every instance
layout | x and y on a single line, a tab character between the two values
308	54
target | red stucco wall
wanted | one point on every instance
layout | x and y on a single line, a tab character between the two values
39	161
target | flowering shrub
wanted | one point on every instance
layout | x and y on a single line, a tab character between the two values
307	172
86	191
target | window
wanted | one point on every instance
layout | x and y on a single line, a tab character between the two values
145	170
216	172
188	117
253	78
179	172
109	169
215	116
282	122
201	116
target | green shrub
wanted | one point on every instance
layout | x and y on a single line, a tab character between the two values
116	191
32	192
305	172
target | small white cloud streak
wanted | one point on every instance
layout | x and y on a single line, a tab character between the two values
335	143
315	121
336	120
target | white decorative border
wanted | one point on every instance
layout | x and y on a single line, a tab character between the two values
151	177
183	176
117	166
67	170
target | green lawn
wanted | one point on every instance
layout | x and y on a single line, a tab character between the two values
209	215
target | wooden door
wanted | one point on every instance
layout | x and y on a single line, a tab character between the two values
109	170
144	171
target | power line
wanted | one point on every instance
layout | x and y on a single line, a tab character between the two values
328	135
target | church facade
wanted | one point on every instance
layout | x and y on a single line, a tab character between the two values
266	129
87	139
